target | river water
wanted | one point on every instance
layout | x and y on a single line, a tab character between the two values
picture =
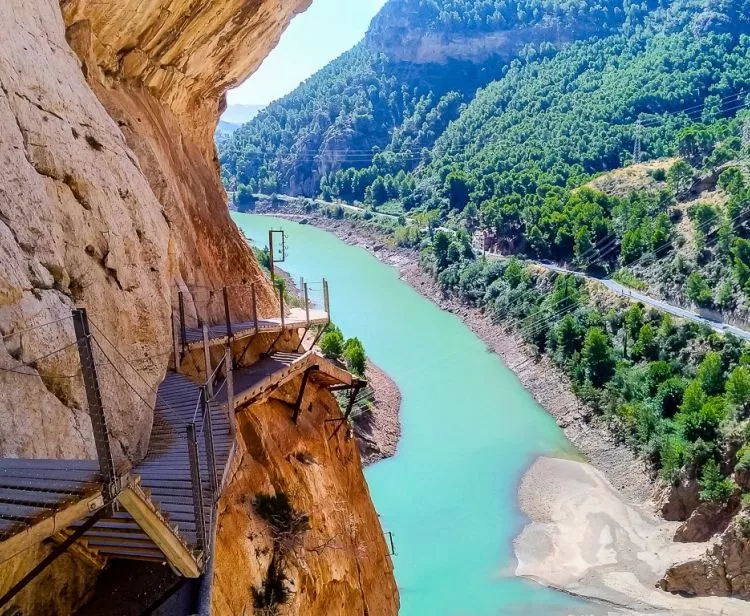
469	430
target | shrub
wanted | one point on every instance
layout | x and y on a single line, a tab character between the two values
711	373
332	342
743	521
659	174
672	454
738	389
286	523
698	290
704	423
743	459
354	354
669	395
597	357
715	488
272	593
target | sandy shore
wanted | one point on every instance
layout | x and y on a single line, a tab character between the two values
584	538
378	432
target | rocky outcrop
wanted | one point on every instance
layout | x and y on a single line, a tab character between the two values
340	565
724	570
707	520
677	502
412	31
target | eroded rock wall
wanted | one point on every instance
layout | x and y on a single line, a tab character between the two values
340	566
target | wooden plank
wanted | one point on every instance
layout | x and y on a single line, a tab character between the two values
90	468
50	525
31	497
160	533
23	512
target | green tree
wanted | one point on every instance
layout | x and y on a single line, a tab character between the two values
693	399
598	357
244	199
646	346
354	355
698	290
669	396
711	373
715	487
738	389
457	189
567	336
680	177
332	342
440	246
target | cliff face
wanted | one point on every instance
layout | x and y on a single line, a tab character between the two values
111	200
340	565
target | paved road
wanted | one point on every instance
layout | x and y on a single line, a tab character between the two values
637	296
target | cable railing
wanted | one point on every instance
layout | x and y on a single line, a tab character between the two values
209	315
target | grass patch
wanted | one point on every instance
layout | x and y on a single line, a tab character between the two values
624	277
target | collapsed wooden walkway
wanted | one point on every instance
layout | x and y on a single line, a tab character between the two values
164	509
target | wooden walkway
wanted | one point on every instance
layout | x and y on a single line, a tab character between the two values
156	516
217	334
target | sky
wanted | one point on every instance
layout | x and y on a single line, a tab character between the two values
314	38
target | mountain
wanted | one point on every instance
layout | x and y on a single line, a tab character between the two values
239	114
396	92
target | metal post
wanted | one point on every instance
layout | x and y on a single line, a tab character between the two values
195	480
176	345
183	332
208	435
270	255
227	317
230	390
281	305
207	360
307	304
96	408
326	299
255	307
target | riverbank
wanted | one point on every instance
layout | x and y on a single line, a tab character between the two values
586	539
591	438
539	376
379	430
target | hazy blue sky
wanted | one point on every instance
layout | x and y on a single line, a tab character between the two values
314	38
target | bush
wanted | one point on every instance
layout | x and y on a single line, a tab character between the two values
669	395
272	593
704	423
354	354
715	488
659	174
698	290
286	523
743	459
672	454
332	342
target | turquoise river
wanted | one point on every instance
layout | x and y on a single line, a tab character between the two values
469	430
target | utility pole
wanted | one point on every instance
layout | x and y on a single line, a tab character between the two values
638	142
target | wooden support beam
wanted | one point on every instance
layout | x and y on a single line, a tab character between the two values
49	559
301	394
154	525
227	317
44	529
82	550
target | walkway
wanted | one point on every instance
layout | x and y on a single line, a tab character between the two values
157	518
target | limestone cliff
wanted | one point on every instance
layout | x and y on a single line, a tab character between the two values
110	199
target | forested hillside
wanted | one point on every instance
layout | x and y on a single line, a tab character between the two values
372	113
